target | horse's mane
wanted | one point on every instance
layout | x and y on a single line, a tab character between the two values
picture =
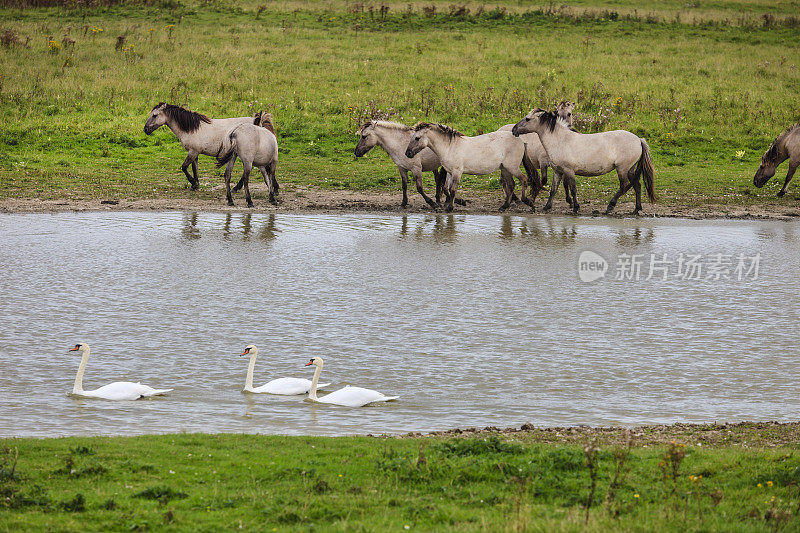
449	132
186	120
771	155
550	119
386	124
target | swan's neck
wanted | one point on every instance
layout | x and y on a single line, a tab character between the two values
248	384
312	393
78	387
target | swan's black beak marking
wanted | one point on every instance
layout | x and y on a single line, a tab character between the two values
245	352
310	363
76	348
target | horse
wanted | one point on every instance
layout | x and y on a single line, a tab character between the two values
393	138
255	146
535	152
477	155
785	146
197	133
572	153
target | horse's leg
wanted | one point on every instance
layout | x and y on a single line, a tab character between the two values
454	179
568	192
418	179
273	178
268	180
507	184
637	188
404	178
439	176
191	159
228	171
194	172
553	189
523	182
624	185
789	176
248	167
569	187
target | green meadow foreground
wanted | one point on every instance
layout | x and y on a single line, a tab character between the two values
709	87
742	477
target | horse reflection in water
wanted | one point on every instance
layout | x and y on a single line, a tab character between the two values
543	230
267	232
627	237
441	227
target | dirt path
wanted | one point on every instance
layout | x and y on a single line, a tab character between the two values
302	200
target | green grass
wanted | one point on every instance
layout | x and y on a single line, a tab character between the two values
700	92
195	482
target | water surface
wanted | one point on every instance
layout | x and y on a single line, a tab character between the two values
472	320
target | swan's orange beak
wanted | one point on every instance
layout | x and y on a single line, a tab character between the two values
310	363
245	352
75	349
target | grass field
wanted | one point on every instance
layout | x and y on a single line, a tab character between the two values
76	85
528	481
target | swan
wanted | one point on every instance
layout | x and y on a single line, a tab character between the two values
348	396
119	390
284	386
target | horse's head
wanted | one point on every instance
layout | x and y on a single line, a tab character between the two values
564	110
367	140
156	119
769	162
419	139
530	122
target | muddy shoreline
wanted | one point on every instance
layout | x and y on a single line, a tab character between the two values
302	200
744	434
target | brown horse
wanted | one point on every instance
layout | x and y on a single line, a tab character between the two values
785	146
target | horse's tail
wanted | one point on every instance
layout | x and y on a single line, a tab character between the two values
228	149
645	167
530	169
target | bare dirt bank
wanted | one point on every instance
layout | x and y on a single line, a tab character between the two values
311	200
744	434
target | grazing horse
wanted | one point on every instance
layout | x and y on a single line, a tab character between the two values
477	155
255	146
785	146
394	137
572	153
535	152
197	133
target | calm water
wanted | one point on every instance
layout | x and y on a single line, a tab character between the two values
471	320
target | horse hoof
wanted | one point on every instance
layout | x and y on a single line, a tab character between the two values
195	186
503	208
250	204
403	205
231	204
448	209
460	201
781	193
546	208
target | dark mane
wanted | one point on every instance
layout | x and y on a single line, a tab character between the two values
771	156
548	118
449	132
186	120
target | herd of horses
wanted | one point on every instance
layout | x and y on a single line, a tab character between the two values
541	140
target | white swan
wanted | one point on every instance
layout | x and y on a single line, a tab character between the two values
119	390
348	396
284	386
